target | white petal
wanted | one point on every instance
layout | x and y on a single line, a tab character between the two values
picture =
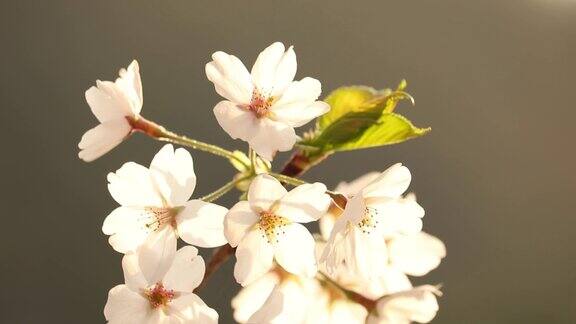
389	281
326	224
397	216
127	227
133	277
238	221
288	303
177	170
252	297
237	122
105	107
126	306
344	312
130	83
353	187
298	104
416	254
264	191
335	250
270	137
366	253
230	77
297	115
186	272
391	183
419	305
132	185
274	69
294	251
189	308
103	138
254	257
155	256
305	203
202	224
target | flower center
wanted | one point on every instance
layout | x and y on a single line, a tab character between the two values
156	217
369	222
272	226
159	296
260	104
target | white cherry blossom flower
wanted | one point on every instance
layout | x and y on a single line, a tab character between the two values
416	305
253	296
164	298
389	279
378	211
348	189
292	300
155	209
265	105
116	105
416	254
280	297
268	228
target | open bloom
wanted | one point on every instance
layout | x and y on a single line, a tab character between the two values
155	209
378	211
389	279
160	297
416	305
280	297
263	106
267	228
115	105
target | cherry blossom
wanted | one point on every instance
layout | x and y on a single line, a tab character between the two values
155	209
158	298
416	305
265	105
280	297
116	105
268	227
377	212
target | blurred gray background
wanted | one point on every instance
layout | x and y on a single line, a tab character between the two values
494	79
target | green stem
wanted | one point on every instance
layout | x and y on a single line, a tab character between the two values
287	179
339	199
222	190
160	133
356	297
253	158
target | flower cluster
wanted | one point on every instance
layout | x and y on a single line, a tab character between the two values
354	271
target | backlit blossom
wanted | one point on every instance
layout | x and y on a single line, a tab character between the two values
165	297
155	209
416	305
265	105
268	228
280	297
115	105
388	280
377	212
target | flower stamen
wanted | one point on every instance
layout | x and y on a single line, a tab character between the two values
260	104
159	296
272	226
369	222
156	217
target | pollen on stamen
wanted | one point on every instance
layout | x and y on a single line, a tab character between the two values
155	217
260	104
159	296
272	226
369	222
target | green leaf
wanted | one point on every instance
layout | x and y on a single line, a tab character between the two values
390	129
345	100
361	117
